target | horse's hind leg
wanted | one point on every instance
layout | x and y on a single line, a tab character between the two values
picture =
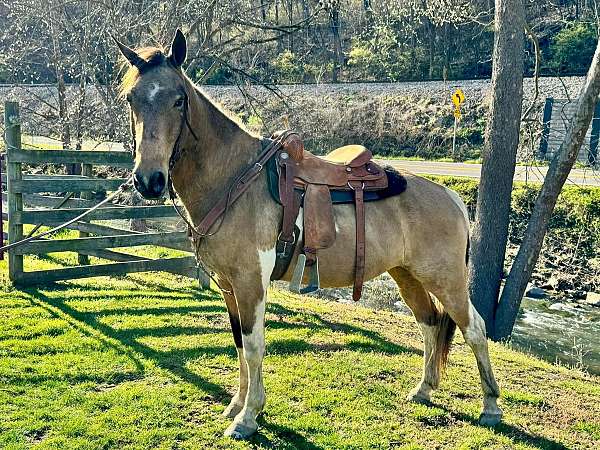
436	327
458	305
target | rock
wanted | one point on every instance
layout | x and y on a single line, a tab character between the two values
593	298
535	292
560	283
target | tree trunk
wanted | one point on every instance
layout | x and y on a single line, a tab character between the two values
447	39
263	10
559	170
368	7
431	30
490	231
334	21
291	22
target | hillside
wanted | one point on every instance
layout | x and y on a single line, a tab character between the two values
147	362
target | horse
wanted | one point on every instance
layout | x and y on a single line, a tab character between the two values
421	237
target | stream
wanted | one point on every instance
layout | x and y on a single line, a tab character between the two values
555	331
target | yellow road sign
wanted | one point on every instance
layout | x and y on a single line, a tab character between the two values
458	98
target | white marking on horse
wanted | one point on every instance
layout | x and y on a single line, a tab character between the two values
266	260
254	350
156	88
300	220
456	199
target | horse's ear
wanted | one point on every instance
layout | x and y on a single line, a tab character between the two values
178	50
129	54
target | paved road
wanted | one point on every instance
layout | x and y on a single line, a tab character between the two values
579	177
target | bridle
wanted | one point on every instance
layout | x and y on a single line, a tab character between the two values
219	210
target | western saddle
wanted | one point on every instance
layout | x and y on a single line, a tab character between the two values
298	178
310	181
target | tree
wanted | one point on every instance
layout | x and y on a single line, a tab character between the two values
557	174
490	231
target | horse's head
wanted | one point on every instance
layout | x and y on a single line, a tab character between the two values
157	92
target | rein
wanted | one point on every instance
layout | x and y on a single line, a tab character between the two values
237	188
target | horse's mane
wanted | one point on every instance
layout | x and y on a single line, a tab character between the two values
154	56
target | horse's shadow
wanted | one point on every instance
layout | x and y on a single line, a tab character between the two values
517	435
127	340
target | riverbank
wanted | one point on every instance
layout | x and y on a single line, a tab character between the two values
148	362
569	263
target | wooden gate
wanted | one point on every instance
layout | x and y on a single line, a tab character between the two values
30	201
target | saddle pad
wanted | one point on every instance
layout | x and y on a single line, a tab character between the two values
396	186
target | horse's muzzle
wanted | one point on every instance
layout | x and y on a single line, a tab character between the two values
150	187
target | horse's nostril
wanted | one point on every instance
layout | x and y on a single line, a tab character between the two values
157	183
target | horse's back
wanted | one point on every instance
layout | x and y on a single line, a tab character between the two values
425	220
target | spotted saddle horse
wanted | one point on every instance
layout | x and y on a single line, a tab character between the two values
297	178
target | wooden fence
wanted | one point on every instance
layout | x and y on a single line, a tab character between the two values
29	201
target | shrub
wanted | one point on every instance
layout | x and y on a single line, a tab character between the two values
287	68
381	57
573	48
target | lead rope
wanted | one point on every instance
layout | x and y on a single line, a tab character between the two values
126	185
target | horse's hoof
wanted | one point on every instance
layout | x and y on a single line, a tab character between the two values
490	420
417	396
240	431
232	410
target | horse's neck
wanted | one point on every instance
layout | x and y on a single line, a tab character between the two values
209	165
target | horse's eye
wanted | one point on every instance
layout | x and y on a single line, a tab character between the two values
179	103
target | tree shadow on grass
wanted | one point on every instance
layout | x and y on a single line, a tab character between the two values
516	434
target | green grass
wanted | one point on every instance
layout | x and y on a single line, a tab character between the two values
147	361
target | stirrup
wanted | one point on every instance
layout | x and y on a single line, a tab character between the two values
314	281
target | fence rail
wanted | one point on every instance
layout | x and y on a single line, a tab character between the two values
41	199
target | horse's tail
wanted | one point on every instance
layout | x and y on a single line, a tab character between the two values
445	333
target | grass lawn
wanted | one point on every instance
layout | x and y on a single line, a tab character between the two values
147	361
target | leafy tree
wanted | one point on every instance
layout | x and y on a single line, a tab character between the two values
573	48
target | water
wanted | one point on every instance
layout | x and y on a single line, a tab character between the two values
565	332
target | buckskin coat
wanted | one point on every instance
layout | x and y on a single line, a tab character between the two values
419	237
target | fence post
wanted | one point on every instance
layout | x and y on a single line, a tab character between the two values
2	159
12	125
86	170
546	127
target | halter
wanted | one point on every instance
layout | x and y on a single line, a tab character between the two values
176	152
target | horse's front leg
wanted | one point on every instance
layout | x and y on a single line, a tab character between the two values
237	401
251	294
